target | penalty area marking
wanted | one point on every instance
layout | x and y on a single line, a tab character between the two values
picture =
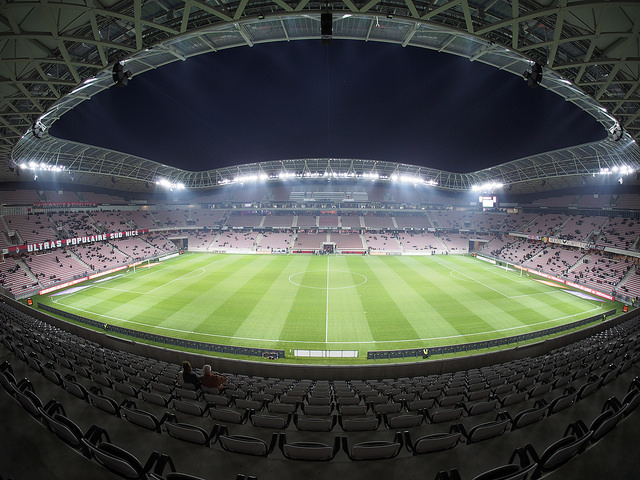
187	276
452	273
496	290
200	271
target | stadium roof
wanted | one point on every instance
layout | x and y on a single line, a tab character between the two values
58	54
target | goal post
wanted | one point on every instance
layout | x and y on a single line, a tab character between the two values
503	264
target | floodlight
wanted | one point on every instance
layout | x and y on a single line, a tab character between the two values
169	184
121	76
616	132
38	129
486	187
533	77
326	28
251	178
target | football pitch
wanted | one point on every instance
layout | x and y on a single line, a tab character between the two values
327	302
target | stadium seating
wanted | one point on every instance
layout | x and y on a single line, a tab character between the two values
385	232
553	413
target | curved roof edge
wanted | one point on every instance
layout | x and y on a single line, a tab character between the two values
89	165
486	39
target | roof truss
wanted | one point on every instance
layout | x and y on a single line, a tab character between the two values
58	53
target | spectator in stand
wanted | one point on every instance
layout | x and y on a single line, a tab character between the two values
187	375
212	380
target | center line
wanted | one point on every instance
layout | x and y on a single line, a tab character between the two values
326	318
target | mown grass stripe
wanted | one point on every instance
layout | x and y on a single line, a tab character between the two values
471	303
385	303
405	302
306	319
486	304
268	316
347	314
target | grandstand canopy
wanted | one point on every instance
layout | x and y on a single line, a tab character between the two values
57	54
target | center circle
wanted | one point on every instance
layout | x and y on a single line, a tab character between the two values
337	279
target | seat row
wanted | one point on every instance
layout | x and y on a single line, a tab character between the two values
525	460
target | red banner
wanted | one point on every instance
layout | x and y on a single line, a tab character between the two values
64	204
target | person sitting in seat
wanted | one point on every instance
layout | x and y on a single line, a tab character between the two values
187	375
211	380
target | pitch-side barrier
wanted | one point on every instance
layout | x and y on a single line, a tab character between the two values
499	342
174	342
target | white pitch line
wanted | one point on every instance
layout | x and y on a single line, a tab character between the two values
201	270
110	278
476	281
371	342
326	317
511	296
495	290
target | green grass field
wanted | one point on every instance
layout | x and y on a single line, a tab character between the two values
333	302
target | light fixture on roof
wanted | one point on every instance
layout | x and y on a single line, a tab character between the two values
41	167
326	27
121	76
618	169
38	129
533	76
256	177
487	187
170	185
616	132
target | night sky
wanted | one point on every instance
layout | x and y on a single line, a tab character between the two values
348	100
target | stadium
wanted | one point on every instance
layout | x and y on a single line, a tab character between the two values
370	317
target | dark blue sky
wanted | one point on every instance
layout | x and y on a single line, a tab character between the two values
351	99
